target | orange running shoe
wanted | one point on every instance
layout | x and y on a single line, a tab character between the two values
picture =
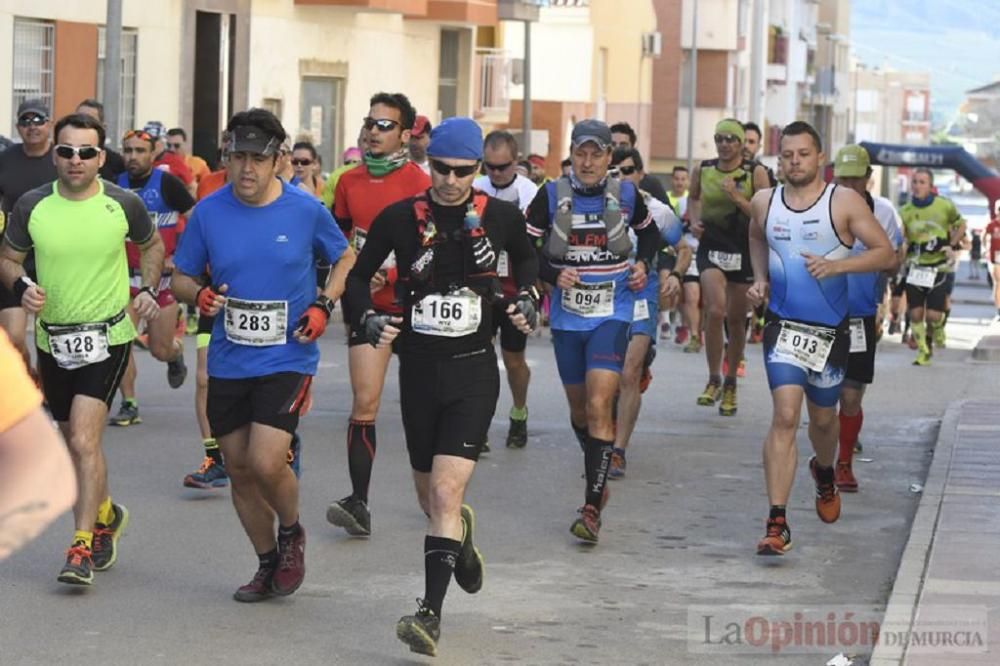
844	477
778	539
827	496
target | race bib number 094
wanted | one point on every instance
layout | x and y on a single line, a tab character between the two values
590	299
805	346
256	323
447	315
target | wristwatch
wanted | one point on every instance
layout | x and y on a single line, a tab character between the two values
149	290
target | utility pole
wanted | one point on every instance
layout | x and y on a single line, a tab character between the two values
694	86
757	55
526	104
113	68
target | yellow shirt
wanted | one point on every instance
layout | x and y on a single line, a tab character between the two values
19	396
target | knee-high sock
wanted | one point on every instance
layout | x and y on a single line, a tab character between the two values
360	455
597	457
850	426
440	555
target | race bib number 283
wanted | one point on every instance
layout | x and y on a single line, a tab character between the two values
256	323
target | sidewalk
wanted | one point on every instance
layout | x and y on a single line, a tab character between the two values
948	575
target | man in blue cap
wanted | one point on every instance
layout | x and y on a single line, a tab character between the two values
447	242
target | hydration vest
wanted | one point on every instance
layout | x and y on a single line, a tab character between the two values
618	241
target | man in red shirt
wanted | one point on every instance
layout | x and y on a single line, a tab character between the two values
386	176
991	245
168	161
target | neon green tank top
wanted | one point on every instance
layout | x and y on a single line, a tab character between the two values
928	230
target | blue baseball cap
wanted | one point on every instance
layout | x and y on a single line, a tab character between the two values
457	138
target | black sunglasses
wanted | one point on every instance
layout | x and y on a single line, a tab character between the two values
83	152
726	138
626	170
175	146
498	167
28	121
383	124
301	162
459	171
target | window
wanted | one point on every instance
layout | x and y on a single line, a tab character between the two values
130	47
34	62
448	74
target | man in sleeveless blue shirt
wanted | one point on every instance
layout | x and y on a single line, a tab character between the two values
801	236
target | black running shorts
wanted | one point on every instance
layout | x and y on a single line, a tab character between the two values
97	380
271	400
743	275
861	364
933	298
447	404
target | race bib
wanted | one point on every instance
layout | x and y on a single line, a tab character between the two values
640	311
805	346
447	315
503	265
726	260
590	299
859	340
256	323
692	268
74	347
358	240
921	276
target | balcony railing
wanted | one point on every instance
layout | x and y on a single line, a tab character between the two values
493	81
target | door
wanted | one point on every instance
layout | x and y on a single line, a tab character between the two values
320	117
215	39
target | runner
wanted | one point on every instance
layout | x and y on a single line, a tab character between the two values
583	222
166	160
852	169
260	236
387	176
641	348
719	211
177	144
36	473
447	243
303	160
503	182
114	163
751	148
934	229
22	168
991	240
165	198
800	244
975	254
420	137
623	136
77	227
352	157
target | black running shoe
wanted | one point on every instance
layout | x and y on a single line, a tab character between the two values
421	630
352	514
105	551
127	415
517	436
78	569
177	370
469	567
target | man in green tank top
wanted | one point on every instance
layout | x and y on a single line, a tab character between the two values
933	229
77	227
719	213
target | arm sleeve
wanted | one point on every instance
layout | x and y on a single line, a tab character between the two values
329	242
538	220
140	226
175	194
191	256
378	245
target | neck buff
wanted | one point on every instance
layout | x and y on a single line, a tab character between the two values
584	190
504	187
923	203
386	164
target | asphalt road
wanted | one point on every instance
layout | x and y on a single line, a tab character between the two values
678	536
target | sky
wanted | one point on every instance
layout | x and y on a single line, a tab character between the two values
956	41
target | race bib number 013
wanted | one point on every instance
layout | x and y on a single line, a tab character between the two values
859	340
256	323
725	260
922	277
447	315
805	346
74	347
590	299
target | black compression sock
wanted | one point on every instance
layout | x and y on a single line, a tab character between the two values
268	559
597	457
360	456
289	531
581	436
440	554
777	511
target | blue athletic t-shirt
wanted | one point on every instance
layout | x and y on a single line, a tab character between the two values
265	253
865	290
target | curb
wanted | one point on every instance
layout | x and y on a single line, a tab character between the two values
901	609
988	347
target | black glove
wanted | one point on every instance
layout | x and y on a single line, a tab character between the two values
373	324
526	303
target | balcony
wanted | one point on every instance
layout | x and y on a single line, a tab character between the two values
493	81
777	46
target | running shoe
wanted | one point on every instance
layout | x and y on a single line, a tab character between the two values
778	539
517	435
728	405
177	370
827	496
78	569
105	550
291	563
693	346
617	468
485	447
741	369
682	335
893	327
352	514
127	415
421	630
711	394
210	475
587	527
470	566
295	455
923	358
664	331
259	588
844	478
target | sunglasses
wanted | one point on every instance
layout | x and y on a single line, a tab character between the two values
626	170
35	120
726	138
459	171
139	134
83	152
301	162
383	124
175	146
498	167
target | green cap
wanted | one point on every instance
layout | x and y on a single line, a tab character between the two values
730	126
852	161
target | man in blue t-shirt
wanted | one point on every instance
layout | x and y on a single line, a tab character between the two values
261	237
